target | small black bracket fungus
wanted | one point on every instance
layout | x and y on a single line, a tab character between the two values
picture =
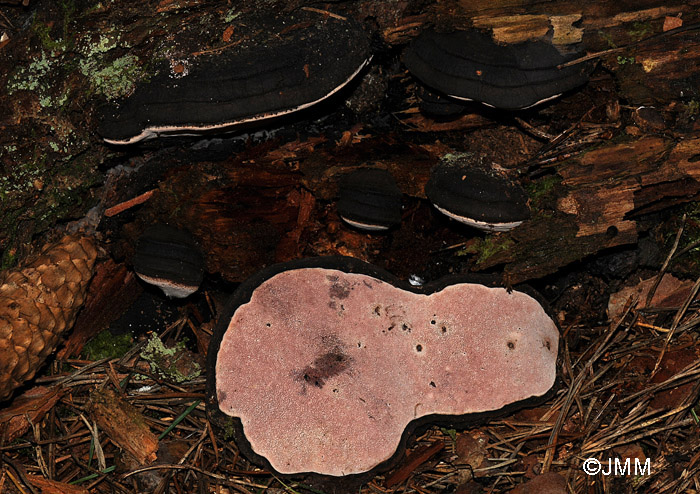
470	65
439	105
170	259
477	197
270	78
369	199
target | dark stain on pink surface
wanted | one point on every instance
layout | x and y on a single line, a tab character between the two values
339	289
324	367
221	395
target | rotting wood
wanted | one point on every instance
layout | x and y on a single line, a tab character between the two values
668	62
568	21
123	206
605	194
413	460
124	425
26	410
49	486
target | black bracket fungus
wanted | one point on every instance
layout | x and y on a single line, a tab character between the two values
439	105
170	259
369	199
470	65
480	198
250	84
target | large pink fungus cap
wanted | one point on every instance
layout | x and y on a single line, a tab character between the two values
326	369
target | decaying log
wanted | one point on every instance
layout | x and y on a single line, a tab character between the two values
286	208
271	204
566	22
605	192
53	136
257	213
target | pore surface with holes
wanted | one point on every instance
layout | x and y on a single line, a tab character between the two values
325	369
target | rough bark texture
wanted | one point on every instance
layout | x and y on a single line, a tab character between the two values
112	290
26	410
603	193
48	486
124	425
48	105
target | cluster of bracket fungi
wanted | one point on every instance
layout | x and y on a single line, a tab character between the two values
343	359
483	198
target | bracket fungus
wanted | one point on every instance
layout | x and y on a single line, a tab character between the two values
326	366
254	83
170	259
438	105
477	197
470	65
369	199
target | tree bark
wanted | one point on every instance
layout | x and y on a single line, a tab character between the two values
67	62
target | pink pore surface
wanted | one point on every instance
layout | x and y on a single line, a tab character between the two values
325	369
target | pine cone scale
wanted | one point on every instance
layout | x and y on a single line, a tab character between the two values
38	302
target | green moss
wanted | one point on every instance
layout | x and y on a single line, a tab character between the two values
452	158
491	246
107	345
450	432
174	364
623	60
640	30
487	247
43	32
542	187
9	259
608	39
229	429
540	190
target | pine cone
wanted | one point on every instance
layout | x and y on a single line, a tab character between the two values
38	302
